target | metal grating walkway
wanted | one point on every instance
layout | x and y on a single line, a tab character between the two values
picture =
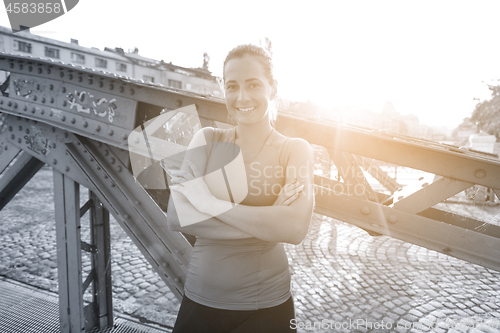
25	309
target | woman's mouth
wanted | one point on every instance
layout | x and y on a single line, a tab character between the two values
245	109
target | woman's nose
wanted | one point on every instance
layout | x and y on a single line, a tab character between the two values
243	95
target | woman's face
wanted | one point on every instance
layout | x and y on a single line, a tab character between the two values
248	91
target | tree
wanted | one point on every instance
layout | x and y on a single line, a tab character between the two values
487	113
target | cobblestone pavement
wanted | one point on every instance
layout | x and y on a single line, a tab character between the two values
343	279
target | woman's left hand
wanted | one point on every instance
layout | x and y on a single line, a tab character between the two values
193	187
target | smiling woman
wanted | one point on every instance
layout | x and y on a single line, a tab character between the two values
238	278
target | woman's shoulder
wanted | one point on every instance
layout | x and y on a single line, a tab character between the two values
214	134
289	146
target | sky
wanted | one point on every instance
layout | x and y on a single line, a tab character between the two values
432	59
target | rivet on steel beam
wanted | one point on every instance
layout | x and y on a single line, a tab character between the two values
19	140
54	161
35	98
20	66
119	168
73	120
39	71
9	104
38	87
126	216
98	128
12	137
165	264
53	129
85	124
137	203
113	160
25	108
63	89
392	219
10	128
132	91
111	86
65	103
20	128
85	151
42	112
425	184
365	210
91	159
48	70
15	105
51	100
99	144
110	132
80	79
98	168
11	65
106	152
43	99
63	118
105	176
480	173
27	131
51	87
70	76
66	168
66	135
122	89
1	101
30	68
112	184
124	137
101	84
61	74
176	280
51	113
54	145
91	81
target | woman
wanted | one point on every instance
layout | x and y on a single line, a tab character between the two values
238	278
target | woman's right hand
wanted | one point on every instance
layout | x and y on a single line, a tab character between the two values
289	193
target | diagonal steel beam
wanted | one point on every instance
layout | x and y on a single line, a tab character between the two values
441	189
19	173
459	242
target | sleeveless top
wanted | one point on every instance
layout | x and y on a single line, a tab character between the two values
244	274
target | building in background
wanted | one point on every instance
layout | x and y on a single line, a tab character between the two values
114	60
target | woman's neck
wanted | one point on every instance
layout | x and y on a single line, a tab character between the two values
255	132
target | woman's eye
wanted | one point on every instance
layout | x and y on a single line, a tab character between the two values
232	87
254	85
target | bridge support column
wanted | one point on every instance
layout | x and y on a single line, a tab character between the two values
74	315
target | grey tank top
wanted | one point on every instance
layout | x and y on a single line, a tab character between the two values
245	274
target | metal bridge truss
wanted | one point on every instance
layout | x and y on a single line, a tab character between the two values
78	120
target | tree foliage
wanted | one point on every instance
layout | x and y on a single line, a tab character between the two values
487	113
